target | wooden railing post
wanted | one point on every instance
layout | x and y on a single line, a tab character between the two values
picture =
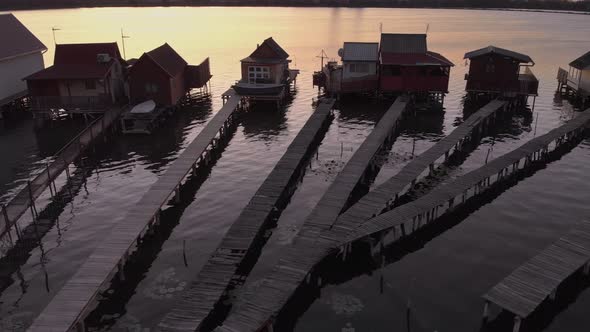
7	223
32	202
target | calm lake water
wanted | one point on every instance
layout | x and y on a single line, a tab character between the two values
443	278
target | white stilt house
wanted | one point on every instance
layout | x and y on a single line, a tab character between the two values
577	77
21	54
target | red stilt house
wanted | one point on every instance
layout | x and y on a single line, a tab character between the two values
84	77
163	76
408	66
494	70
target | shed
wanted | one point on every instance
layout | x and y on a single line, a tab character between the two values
496	70
21	55
269	63
360	67
164	76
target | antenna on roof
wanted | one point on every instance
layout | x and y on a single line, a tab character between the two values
123	37
427	27
322	56
53	30
380	27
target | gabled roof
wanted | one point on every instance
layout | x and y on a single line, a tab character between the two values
269	49
69	54
415	59
167	58
497	50
582	62
353	51
71	72
403	43
16	39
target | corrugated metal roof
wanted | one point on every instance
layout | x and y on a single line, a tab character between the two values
82	54
403	43
354	51
74	71
497	50
582	62
415	59
16	39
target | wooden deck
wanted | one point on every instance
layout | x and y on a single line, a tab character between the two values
242	239
257	307
538	279
26	197
412	215
69	306
378	199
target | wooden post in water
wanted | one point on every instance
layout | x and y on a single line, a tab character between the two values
517	322
486	310
49	179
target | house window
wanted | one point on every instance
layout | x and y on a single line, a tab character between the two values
358	67
490	68
151	88
258	74
90	84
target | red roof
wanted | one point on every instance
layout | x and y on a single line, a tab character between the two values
167	58
68	54
16	39
415	59
75	71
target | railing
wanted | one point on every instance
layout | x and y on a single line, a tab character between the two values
25	198
73	102
562	75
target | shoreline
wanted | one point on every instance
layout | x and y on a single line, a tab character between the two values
269	4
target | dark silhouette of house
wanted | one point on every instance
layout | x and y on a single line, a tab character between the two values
164	76
496	70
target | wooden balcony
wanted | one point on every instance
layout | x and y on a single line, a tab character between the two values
528	83
72	103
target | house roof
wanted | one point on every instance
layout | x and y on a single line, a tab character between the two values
167	58
277	53
415	59
497	50
69	72
582	62
16	39
353	51
69	54
403	43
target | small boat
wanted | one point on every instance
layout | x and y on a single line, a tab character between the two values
258	89
144	118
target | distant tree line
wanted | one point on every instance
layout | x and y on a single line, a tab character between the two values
583	6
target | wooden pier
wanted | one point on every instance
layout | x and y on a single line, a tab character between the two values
538	279
25	199
225	268
258	307
385	195
408	218
77	297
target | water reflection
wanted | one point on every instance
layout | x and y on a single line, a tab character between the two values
160	148
361	109
361	262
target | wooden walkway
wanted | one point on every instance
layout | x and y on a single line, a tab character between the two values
69	306
538	279
26	197
242	239
257	307
386	194
411	216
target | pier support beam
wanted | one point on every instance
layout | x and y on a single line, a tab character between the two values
486	310
517	322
